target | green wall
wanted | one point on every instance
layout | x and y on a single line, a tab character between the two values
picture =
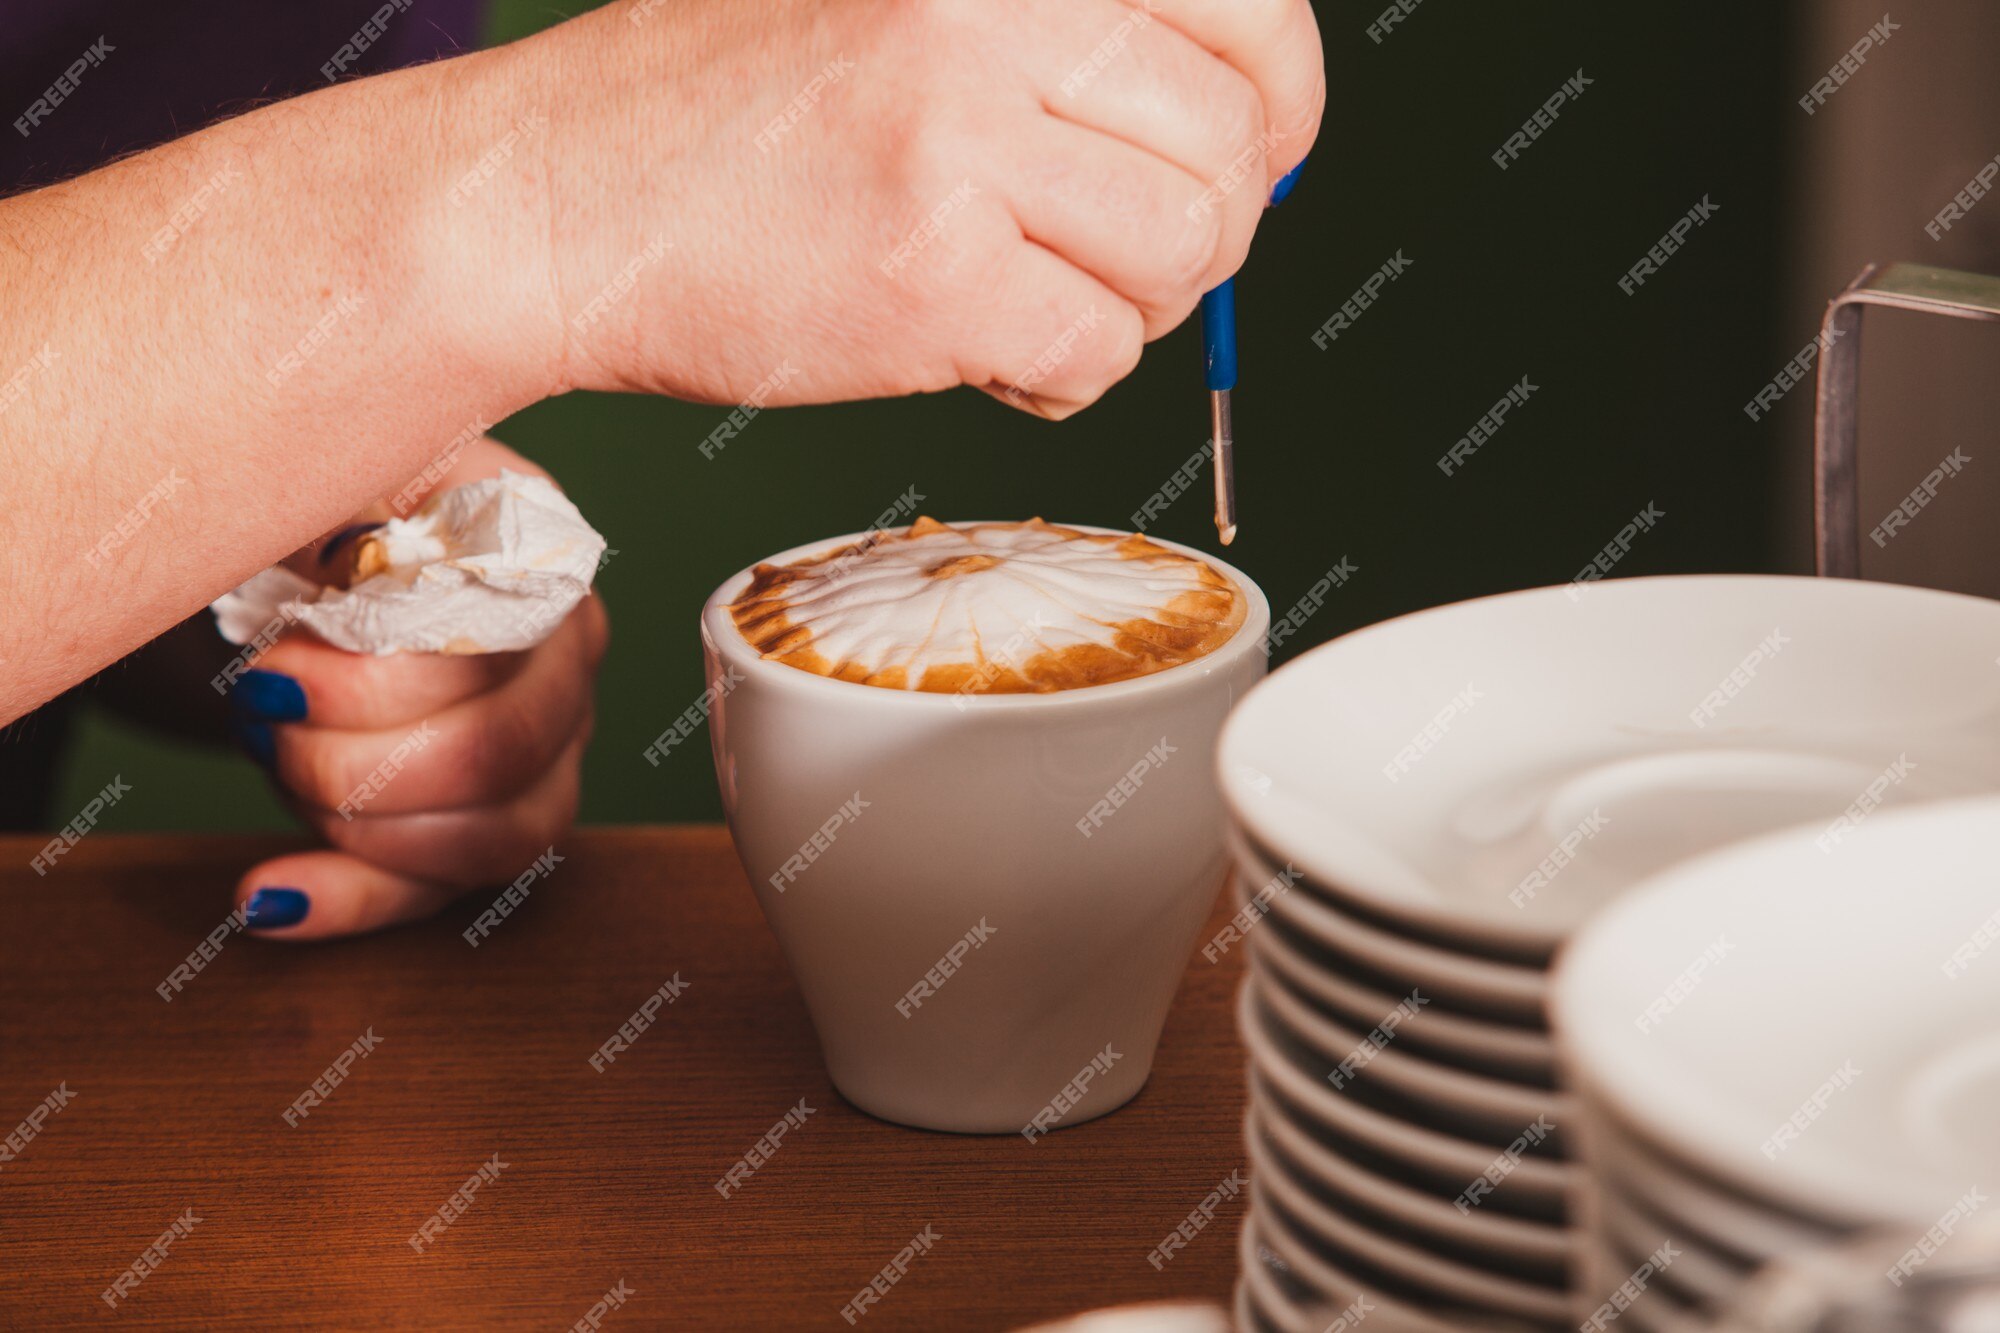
1512	273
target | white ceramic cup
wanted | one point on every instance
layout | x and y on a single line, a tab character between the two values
1040	864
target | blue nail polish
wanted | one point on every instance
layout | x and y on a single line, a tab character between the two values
269	696
268	909
1285	183
256	739
341	538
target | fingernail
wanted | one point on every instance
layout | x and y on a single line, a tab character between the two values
341	538
1285	183
269	909
269	696
256	739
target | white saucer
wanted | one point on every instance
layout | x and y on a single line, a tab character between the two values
1437	1161
1487	1048
1453	1095
1248	1320
1453	1283
1696	1269
1337	1288
1862	957
1478	984
1668	1303
1729	1222
1480	1230
1427	766
1276	1300
1657	1310
1254	1291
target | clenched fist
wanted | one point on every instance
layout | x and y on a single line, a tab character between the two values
819	200
426	775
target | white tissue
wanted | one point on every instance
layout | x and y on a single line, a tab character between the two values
488	567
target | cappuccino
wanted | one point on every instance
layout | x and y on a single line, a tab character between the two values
928	859
989	608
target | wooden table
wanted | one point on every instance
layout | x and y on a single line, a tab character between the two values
176	1109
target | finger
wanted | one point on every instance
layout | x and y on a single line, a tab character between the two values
482	750
315	895
1120	70
361	692
1276	44
1072	339
1134	221
480	845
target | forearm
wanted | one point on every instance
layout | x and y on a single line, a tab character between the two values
216	351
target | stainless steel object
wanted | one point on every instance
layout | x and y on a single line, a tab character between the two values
1836	421
1223	434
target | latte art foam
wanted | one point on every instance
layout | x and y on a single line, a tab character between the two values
989	608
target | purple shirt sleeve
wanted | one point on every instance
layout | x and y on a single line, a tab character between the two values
85	81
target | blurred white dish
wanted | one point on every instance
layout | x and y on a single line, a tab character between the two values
1478	984
1696	1269
1438	1161
1488	1048
1337	1289
1448	769
1739	1226
1262	1293
1143	1317
1656	1310
1453	1283
1453	1094
1840	1053
1247	1318
1482	1230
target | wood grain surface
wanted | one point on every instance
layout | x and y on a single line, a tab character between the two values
176	1109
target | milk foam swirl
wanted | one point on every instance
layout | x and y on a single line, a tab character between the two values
989	608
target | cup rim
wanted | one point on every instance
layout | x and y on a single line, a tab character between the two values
719	633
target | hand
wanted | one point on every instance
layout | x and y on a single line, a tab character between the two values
861	198
491	754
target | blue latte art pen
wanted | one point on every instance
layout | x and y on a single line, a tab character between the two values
1218	343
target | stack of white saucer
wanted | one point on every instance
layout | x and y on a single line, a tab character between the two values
1407	1146
1782	1044
1425	810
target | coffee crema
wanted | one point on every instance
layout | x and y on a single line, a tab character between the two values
989	608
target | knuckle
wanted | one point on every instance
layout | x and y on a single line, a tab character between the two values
589	630
338	684
1302	117
356	837
1263	22
351	687
494	844
1114	353
1193	254
548	821
315	769
1127	342
1239	118
497	750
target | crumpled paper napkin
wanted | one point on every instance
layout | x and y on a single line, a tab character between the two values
492	566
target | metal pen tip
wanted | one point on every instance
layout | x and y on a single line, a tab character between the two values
1224	464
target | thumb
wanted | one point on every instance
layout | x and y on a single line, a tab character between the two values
321	894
